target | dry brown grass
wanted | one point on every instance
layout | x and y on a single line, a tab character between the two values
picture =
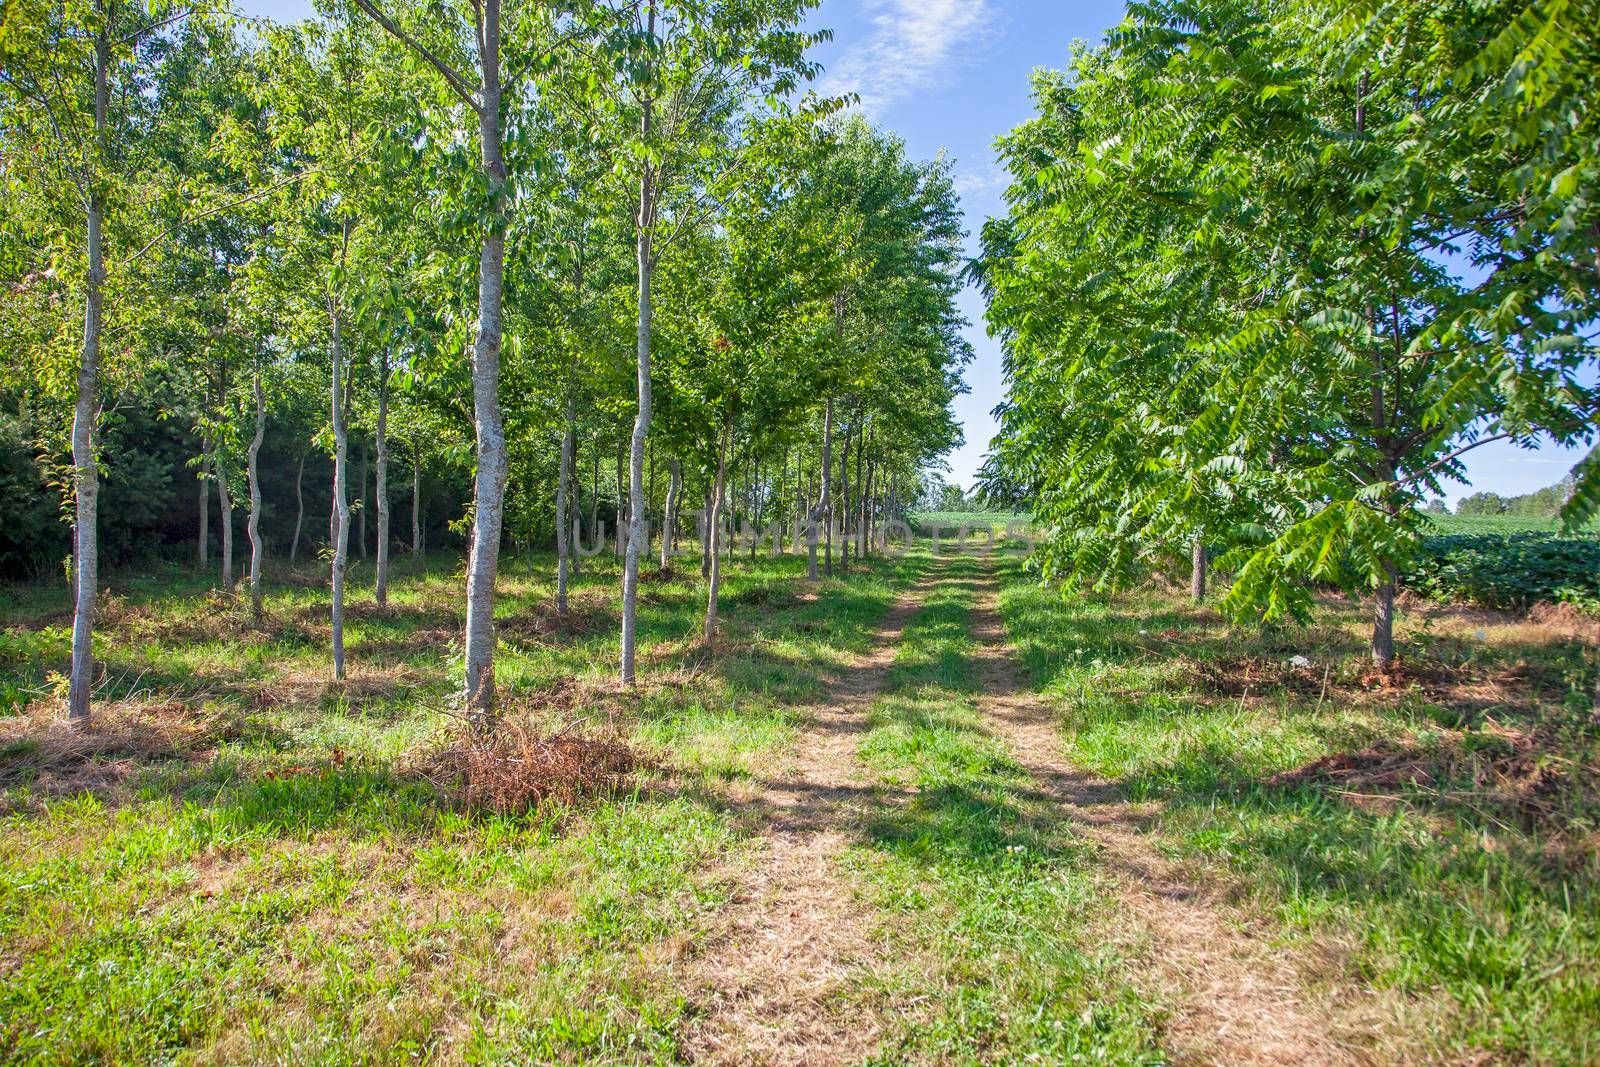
1516	775
514	766
590	613
42	750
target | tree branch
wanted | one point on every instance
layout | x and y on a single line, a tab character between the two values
1444	460
157	25
257	195
456	82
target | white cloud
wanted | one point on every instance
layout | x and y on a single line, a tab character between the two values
981	185
914	45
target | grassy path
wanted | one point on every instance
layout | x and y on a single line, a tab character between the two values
1237	997
795	936
918	814
1020	911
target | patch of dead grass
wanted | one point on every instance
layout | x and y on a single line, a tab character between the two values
42	750
1524	776
514	765
588	613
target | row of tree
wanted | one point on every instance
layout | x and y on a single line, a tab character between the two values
510	240
1270	270
1541	503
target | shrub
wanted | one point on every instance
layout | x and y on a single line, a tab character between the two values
1507	570
514	767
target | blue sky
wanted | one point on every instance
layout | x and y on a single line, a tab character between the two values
951	76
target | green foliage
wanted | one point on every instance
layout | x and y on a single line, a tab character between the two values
1508	570
1222	294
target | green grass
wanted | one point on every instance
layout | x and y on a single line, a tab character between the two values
280	884
996	902
251	866
1472	895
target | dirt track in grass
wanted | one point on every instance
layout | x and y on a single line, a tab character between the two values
774	981
769	982
1238	999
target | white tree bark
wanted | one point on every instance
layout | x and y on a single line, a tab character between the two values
489	491
669	512
299	506
381	584
1197	571
644	228
822	511
253	525
575	549
85	467
341	501
225	506
416	498
563	523
715	524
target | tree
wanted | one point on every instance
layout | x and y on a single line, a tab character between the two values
689	73
1270	227
755	292
74	88
501	61
1482	504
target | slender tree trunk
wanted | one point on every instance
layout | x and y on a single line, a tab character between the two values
622	539
844	499
563	549
754	488
341	501
225	506
299	506
715	520
253	524
669	512
823	510
204	553
381	586
483	565
594	494
362	501
802	506
863	490
1383	602
577	511
705	532
333	520
85	468
641	423
1197	573
416	498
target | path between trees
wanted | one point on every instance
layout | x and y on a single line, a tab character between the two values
795	938
1239	1000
